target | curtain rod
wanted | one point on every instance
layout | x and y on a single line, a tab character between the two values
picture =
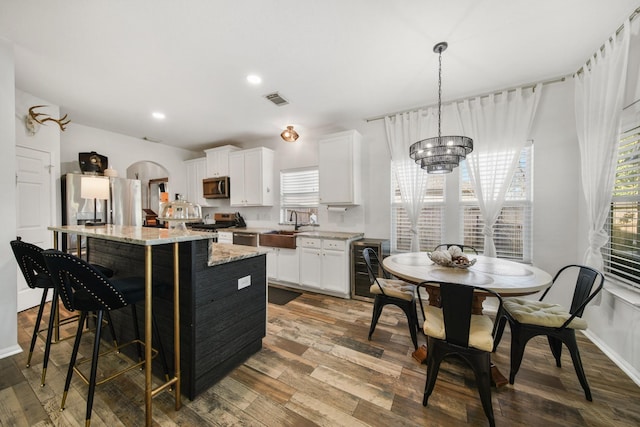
484	95
633	15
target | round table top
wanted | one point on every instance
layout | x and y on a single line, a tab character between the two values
497	274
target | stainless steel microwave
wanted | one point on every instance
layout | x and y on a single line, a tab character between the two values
215	188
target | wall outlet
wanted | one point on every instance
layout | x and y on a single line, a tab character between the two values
243	282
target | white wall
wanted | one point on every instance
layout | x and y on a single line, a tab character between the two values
8	276
122	151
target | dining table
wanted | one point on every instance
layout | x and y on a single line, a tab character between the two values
507	278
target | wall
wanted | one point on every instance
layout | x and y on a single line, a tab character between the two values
122	151
8	272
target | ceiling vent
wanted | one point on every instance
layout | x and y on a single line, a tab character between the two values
277	99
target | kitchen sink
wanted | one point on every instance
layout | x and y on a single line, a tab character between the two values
279	239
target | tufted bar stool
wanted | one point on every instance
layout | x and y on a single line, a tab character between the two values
32	265
84	288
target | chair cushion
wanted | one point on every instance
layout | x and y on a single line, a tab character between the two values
540	313
394	288
480	330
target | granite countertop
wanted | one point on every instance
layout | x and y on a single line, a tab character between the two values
146	236
320	234
336	235
221	253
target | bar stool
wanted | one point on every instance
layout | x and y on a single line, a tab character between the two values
32	265
83	287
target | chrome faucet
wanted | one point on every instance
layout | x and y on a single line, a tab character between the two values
296	225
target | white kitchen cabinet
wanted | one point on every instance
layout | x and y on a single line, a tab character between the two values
218	160
196	172
282	265
339	160
324	265
251	176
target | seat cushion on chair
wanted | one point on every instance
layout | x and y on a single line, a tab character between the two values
393	288
540	313
480	330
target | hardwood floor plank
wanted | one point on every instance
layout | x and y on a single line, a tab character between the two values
317	367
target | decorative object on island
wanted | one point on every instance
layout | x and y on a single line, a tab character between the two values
289	134
95	188
440	154
179	212
33	119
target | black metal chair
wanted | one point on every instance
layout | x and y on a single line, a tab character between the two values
390	291
465	248
452	329
83	287
32	265
530	318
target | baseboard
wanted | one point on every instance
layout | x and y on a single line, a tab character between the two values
10	351
615	357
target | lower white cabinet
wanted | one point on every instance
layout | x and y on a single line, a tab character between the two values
324	265
282	264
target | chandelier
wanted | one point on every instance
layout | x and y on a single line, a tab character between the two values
440	154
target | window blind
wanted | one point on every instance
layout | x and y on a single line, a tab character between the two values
512	230
622	254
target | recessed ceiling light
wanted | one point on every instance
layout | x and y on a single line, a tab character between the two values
253	79
158	115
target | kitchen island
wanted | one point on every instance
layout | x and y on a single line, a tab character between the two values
222	296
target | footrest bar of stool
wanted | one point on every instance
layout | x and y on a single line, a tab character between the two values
117	373
164	386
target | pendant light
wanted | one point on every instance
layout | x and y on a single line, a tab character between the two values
440	154
289	134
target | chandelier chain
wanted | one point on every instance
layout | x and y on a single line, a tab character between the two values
439	92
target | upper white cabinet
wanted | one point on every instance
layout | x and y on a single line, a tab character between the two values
339	159
251	177
218	160
196	172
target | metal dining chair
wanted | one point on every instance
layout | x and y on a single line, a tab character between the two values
452	329
388	290
529	318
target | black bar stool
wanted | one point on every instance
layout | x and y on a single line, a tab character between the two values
83	287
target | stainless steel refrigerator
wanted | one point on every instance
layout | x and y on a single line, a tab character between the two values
124	206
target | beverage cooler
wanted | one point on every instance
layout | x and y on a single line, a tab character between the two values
359	276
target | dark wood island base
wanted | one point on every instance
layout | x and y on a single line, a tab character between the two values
222	307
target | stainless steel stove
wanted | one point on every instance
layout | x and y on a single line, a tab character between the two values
222	220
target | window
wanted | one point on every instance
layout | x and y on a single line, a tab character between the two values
622	254
299	193
512	231
451	209
430	223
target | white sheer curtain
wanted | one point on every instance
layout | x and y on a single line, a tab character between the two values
499	125
599	95
402	131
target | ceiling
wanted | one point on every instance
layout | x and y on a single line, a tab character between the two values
111	64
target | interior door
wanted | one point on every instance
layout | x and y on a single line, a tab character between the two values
33	210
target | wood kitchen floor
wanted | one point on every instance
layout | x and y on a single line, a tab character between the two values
317	368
